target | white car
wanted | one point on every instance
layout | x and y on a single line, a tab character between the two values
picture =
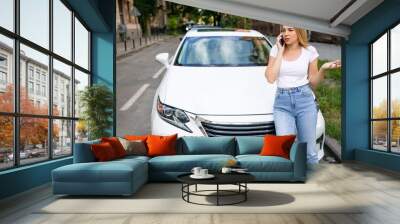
215	86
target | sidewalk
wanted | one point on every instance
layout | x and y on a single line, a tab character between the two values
133	45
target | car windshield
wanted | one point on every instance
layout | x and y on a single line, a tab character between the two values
223	51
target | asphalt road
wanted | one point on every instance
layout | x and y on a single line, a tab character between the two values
138	77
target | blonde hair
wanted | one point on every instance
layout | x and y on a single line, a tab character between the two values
302	36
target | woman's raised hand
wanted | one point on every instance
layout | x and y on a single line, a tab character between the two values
332	65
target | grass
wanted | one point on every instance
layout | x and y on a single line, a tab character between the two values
329	98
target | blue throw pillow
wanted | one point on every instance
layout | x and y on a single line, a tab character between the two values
249	144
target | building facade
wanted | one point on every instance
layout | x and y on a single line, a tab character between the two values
34	82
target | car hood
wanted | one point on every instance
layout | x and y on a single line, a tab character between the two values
219	90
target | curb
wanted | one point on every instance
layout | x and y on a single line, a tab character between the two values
334	146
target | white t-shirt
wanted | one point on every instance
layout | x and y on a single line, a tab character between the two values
294	73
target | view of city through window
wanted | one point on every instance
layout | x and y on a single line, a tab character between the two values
45	77
385	80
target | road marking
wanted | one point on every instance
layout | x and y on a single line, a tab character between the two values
136	96
158	73
143	88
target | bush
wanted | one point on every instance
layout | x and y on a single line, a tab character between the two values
328	94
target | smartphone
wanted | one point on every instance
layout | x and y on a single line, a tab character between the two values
281	41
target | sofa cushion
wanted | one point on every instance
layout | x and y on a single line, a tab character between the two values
277	145
136	137
257	163
161	145
116	145
103	151
142	138
83	152
111	171
134	147
249	144
185	163
196	145
132	158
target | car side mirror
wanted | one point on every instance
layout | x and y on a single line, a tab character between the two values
163	58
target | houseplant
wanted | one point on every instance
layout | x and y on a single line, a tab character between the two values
96	102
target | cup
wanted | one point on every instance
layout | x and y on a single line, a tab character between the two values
203	172
226	170
196	170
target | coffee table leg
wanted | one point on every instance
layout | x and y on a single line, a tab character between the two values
217	194
182	190
245	193
188	189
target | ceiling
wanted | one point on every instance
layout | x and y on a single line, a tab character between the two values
326	16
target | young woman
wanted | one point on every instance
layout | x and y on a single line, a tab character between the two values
293	64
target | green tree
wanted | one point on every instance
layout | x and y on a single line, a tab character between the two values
147	8
173	24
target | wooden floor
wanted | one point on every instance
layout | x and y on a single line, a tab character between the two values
377	188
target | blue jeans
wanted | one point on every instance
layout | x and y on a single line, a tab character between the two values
295	111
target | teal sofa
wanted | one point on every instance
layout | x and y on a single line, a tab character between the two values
125	176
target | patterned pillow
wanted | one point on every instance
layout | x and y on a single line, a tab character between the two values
134	147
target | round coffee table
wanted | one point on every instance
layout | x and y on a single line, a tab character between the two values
238	179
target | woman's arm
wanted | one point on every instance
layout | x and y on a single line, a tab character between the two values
315	76
274	64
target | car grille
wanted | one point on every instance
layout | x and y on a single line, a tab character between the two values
245	129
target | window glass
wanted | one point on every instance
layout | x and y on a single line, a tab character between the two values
81	131
395	47
81	82
379	97
34	21
224	51
379	56
62	91
395	135
62	29
81	45
6	142
7	14
395	95
379	135
33	140
34	81
62	137
39	62
6	74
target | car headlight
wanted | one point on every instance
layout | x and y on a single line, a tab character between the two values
173	115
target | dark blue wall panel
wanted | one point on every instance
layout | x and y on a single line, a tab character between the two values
24	178
356	101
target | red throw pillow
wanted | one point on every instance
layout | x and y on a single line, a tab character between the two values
136	137
277	145
116	145
103	151
161	145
